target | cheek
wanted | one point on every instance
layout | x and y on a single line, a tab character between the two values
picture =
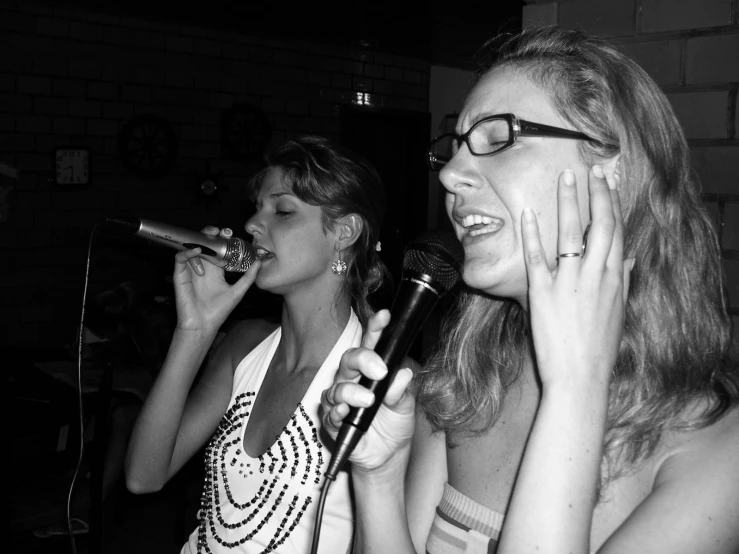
449	205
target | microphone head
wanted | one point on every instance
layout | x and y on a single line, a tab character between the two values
436	254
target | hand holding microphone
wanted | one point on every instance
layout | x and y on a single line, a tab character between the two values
203	296
431	266
393	425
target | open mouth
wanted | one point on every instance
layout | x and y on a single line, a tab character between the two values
263	254
478	224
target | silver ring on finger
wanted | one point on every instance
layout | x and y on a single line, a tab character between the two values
570	255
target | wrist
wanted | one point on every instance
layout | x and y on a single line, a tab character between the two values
195	335
578	384
389	475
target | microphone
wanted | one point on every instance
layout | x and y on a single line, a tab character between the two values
232	254
432	265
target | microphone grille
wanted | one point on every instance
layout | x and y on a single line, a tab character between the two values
437	254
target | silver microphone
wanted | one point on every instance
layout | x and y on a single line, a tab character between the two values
232	254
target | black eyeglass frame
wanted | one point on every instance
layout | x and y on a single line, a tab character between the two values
516	128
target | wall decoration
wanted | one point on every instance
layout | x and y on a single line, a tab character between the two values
72	166
245	132
147	147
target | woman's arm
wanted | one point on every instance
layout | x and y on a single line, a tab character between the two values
424	481
380	459
173	424
380	519
576	319
396	514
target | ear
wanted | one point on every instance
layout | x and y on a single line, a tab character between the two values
348	229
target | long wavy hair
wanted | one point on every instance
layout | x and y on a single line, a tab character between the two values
676	346
341	182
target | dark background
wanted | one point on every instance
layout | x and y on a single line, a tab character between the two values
78	73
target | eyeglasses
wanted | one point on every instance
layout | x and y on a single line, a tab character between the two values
492	135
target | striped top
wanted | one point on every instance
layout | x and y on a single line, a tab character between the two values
462	525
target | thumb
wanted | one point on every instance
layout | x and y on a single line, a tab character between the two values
247	279
397	388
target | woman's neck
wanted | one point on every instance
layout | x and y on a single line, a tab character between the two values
310	330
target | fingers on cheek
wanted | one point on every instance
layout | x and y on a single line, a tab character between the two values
530	233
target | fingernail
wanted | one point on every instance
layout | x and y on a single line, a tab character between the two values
569	177
598	172
528	214
199	269
366	398
379	371
226	232
611	181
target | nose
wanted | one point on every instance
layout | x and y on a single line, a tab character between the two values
254	225
461	172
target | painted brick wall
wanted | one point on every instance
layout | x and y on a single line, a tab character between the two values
691	48
75	77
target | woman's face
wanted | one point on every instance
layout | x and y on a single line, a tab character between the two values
301	249
486	195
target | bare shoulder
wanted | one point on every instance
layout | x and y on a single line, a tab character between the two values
242	337
693	505
714	448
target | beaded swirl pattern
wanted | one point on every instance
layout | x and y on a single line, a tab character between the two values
282	481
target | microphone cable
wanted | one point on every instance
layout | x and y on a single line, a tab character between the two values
80	410
319	513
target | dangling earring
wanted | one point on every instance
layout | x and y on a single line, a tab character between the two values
339	266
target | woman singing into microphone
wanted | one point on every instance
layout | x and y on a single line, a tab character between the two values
585	395
319	209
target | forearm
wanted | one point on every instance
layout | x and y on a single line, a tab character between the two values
381	524
154	437
552	505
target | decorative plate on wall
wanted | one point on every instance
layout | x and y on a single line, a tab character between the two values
147	146
245	132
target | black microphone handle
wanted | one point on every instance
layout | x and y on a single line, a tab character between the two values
412	306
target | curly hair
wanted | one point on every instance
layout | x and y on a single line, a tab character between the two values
340	182
676	346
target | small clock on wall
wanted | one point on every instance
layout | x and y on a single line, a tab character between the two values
72	166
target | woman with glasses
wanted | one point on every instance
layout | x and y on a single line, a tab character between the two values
583	397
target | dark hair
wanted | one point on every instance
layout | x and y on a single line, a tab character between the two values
676	346
340	182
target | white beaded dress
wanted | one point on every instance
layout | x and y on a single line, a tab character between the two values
268	504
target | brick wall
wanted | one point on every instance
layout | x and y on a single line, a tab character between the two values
71	77
691	48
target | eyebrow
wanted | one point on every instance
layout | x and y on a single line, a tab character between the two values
478	117
275	196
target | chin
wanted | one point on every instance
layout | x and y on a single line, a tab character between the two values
492	280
